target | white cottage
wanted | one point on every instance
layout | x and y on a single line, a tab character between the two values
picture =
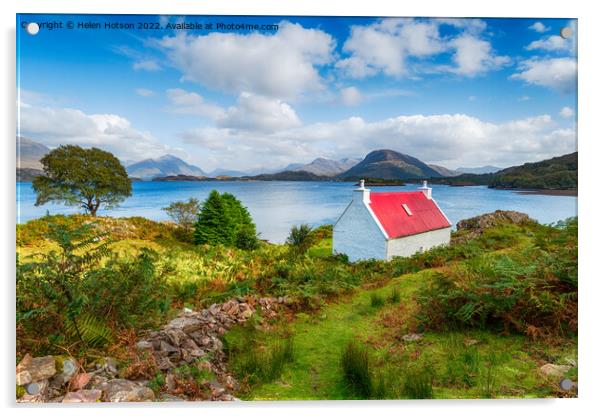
382	225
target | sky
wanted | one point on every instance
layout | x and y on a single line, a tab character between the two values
453	92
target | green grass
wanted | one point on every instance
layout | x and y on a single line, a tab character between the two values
492	366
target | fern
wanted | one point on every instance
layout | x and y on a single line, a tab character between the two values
93	331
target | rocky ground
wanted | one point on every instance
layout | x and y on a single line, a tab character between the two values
192	339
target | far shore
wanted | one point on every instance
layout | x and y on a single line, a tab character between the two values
557	192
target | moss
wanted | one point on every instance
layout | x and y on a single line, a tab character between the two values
20	391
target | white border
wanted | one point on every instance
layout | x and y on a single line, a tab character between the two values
589	202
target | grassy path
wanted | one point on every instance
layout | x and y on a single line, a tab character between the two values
316	372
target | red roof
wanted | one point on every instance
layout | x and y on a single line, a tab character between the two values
397	222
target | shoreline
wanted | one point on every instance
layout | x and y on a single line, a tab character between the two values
551	192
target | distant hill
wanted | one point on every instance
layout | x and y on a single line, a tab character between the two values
556	173
388	164
167	165
29	153
327	167
27	174
443	171
179	178
289	176
479	170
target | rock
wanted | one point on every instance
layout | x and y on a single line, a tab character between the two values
412	337
185	324
31	370
144	346
553	370
110	365
247	313
176	336
469	341
83	396
81	380
120	390
70	367
37	388
170	382
165	397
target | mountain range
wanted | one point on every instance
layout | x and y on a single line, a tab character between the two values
167	165
479	170
29	153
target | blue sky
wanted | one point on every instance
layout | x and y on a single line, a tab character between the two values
455	92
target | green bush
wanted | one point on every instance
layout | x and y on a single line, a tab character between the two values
224	220
532	291
301	238
376	300
418	382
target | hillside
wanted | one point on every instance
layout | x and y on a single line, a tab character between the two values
289	176
443	171
485	317
167	165
29	153
556	173
479	170
388	164
327	167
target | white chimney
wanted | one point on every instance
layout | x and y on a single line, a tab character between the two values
428	192
361	193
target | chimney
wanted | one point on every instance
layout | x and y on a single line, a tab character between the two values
428	192
361	193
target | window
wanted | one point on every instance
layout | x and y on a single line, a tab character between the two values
407	209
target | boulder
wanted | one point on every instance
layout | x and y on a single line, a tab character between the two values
81	380
120	390
83	396
412	337
185	323
553	370
32	370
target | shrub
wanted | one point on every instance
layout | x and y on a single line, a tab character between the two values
376	300
265	364
301	238
418	382
355	364
532	291
224	220
394	296
184	213
68	295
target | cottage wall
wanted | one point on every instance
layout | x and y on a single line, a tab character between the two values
357	235
407	246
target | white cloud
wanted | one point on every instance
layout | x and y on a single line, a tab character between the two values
556	73
524	98
539	27
257	113
389	45
282	65
351	96
251	112
449	139
144	92
472	98
566	112
385	45
55	126
185	102
474	56
147	65
551	43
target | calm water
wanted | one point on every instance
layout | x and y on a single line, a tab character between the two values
276	206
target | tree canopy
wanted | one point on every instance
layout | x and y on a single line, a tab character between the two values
224	220
88	178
